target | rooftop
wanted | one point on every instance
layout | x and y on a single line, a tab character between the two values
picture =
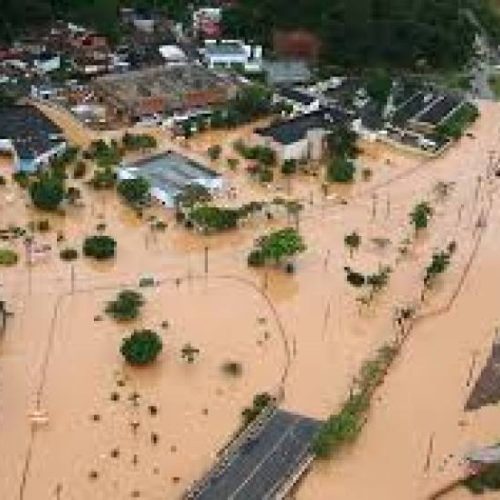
297	96
287	71
169	172
438	110
225	49
290	131
29	130
167	82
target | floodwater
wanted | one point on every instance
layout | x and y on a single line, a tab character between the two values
305	333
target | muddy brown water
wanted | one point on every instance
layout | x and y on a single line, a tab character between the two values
327	335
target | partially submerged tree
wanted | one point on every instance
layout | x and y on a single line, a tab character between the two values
352	241
210	218
354	278
135	191
420	215
126	306
259	404
214	152
191	195
47	192
276	246
142	347
341	143
103	178
289	167
8	257
99	247
341	169
440	262
189	352
134	142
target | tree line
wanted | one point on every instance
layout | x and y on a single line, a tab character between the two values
19	16
398	33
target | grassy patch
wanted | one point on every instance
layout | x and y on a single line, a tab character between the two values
494	82
343	427
487	480
456	124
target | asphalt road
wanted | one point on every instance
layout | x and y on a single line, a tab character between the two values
260	466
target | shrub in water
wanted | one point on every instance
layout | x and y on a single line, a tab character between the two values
126	306
142	347
8	257
100	247
68	254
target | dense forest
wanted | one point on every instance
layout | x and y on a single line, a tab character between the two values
401	33
18	15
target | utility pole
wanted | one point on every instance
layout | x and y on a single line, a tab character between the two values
374	205
266	280
72	279
206	259
29	260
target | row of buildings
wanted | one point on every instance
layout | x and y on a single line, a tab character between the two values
410	120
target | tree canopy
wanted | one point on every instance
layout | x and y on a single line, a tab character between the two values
134	191
279	244
99	247
126	306
400	33
47	192
142	347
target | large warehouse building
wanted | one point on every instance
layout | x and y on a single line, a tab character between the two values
169	173
154	91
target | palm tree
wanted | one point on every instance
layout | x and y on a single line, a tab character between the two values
189	353
420	215
352	241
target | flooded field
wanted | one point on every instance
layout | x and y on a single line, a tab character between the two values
307	333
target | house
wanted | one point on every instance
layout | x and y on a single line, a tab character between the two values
286	72
299	100
232	53
172	54
44	92
90	52
143	21
30	137
301	138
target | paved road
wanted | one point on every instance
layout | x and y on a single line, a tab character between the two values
260	466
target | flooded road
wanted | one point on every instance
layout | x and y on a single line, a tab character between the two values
305	332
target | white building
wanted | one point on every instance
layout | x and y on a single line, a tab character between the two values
172	54
46	63
229	53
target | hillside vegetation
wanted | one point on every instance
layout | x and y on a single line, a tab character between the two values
401	33
397	33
